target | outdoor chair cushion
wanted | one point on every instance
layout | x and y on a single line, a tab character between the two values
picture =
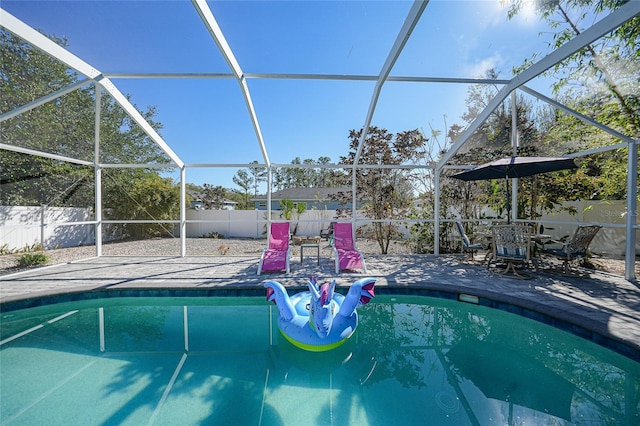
349	259
274	260
516	252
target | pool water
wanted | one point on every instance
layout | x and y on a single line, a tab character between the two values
221	361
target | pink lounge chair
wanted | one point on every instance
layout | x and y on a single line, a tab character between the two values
276	256
345	251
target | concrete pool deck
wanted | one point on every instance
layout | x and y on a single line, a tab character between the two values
602	307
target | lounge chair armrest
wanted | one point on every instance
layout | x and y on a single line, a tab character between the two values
554	245
562	241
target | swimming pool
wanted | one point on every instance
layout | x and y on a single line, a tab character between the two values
221	360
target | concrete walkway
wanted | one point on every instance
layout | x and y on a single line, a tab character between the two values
601	307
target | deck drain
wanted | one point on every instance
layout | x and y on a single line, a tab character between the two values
447	402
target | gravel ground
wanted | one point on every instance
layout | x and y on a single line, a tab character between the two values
228	247
171	247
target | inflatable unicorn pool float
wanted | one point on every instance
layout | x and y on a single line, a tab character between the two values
319	319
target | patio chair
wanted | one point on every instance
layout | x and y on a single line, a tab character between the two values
467	247
327	233
512	245
345	252
576	248
276	256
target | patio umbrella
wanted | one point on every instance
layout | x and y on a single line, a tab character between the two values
516	167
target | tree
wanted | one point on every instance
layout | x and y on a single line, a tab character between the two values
27	180
213	197
324	179
494	140
243	180
600	81
149	197
259	175
307	177
289	210
542	132
291	176
295	176
27	74
387	192
601	176
279	180
609	68
423	209
65	127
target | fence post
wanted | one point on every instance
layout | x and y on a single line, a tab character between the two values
42	224
257	223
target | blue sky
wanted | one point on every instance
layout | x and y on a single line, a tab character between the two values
206	120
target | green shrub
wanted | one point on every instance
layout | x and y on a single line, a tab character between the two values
213	235
30	248
32	259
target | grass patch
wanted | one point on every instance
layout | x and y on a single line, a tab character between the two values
32	259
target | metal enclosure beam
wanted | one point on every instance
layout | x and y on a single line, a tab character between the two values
139	119
515	144
45	154
297	76
599	29
405	32
48	46
576	114
43	100
97	173
436	214
216	33
183	211
403	36
632	211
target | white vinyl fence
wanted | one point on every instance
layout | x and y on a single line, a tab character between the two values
22	227
252	223
608	241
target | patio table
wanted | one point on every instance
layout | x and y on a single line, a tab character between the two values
310	245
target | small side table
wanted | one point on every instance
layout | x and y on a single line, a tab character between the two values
303	246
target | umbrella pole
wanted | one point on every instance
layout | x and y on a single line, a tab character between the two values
506	179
